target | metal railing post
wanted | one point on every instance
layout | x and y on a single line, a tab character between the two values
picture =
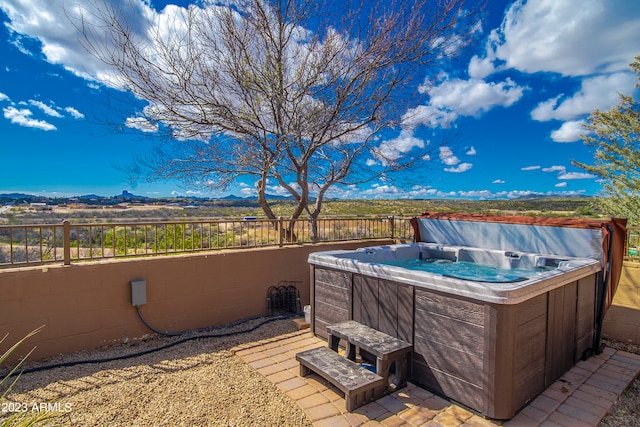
66	241
392	226
281	229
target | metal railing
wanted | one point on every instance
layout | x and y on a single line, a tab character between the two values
24	245
632	244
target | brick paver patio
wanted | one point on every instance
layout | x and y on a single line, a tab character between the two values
581	397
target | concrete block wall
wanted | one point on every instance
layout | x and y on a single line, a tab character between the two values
622	320
87	305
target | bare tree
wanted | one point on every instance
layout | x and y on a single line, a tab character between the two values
293	92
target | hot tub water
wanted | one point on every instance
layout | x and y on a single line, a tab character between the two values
467	270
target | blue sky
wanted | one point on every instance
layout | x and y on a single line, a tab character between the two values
515	104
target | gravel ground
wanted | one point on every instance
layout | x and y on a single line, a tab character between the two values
626	410
195	383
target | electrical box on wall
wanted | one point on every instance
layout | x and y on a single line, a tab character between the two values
138	292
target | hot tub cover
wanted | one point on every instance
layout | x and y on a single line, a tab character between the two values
558	236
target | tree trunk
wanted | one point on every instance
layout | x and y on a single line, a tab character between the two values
290	232
313	229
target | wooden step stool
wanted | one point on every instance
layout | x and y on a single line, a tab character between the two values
359	385
393	355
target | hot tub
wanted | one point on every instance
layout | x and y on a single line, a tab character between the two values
491	342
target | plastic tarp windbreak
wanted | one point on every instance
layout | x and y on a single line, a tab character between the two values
596	239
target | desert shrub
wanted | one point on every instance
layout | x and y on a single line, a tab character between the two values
15	414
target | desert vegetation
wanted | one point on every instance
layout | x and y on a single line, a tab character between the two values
559	207
614	134
33	236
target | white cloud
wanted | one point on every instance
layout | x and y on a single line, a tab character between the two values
49	23
545	110
393	149
455	97
462	167
473	97
479	194
74	113
278	190
378	191
600	92
141	124
3	97
248	191
529	193
45	108
530	168
564	37
561	184
569	131
447	157
385	191
429	116
497	181
390	191
471	152
563	174
575	175
23	118
480	68
559	37
41	20
555	168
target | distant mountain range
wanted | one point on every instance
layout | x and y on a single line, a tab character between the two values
7	198
10	198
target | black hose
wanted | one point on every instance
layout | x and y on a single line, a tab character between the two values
152	350
157	331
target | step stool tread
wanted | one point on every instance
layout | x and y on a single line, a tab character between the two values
371	340
348	376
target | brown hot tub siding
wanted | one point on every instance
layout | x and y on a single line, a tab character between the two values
331	298
385	306
449	347
493	358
